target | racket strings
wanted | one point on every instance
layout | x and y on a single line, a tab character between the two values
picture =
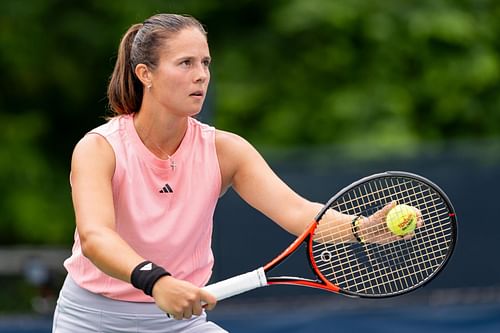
423	244
361	278
389	265
336	234
343	234
378	274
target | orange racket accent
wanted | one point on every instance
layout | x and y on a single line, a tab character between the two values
292	247
328	285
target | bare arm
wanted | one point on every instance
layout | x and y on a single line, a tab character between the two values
93	166
251	177
92	169
244	168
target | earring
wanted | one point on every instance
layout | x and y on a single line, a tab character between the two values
149	86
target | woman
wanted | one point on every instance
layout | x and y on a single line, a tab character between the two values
145	186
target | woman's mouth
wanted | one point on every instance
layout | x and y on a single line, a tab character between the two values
198	93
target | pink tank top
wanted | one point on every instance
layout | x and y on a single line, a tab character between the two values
163	208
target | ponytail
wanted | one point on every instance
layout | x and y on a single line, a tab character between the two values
125	90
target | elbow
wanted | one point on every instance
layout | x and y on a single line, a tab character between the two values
89	242
86	246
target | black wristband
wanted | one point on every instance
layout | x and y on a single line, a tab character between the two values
355	228
145	275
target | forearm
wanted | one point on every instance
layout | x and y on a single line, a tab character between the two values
299	219
335	227
110	253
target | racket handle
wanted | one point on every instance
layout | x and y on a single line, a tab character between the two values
238	284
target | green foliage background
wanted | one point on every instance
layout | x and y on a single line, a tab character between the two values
286	73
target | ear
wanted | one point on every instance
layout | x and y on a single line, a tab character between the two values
144	75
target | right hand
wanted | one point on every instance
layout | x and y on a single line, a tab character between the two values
373	229
181	299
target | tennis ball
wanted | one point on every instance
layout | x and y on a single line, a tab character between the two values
401	220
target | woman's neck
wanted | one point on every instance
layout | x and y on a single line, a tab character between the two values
161	133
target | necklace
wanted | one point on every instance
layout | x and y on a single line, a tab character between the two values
173	165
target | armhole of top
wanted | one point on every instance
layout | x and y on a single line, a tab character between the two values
112	149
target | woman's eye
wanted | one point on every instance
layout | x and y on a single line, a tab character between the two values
186	63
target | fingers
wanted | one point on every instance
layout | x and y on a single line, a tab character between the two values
420	219
187	311
208	300
409	235
380	215
420	223
374	229
389	206
180	299
193	306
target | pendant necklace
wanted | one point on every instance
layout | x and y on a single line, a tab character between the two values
173	165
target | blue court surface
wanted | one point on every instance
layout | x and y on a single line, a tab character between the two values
429	319
329	315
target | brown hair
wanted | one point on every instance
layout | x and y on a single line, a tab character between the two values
140	45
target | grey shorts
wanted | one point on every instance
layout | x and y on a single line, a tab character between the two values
79	310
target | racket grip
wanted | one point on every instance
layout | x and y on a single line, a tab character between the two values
238	284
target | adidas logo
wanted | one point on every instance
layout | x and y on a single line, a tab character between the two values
166	189
147	267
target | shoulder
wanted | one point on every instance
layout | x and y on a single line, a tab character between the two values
230	141
92	142
201	130
112	125
235	155
225	142
93	150
233	147
99	141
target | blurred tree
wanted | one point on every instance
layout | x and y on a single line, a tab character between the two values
320	71
285	73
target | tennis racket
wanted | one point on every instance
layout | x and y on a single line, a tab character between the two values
380	264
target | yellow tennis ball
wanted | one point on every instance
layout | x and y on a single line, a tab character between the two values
401	220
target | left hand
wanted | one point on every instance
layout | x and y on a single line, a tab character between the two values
373	229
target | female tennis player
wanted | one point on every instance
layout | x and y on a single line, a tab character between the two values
145	185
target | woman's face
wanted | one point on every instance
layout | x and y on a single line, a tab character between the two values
180	81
